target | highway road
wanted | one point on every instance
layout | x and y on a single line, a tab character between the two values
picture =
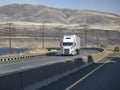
104	75
20	65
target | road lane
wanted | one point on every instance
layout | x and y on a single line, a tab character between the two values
23	65
106	76
87	75
18	65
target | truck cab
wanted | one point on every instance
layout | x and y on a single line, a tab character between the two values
70	45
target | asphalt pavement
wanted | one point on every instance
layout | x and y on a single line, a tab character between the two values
20	65
104	75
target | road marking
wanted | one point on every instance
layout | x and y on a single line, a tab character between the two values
26	66
74	84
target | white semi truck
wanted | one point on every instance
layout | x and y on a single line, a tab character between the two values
70	45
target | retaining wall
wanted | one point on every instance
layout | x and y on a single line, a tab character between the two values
98	56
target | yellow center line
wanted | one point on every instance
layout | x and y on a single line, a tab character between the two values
74	84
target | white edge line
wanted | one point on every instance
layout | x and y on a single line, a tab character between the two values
74	84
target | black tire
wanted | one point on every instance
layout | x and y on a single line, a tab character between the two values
78	51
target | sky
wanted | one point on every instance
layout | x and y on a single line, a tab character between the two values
112	6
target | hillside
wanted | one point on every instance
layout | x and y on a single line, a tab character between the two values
28	23
40	13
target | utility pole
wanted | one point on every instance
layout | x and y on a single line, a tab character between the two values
60	29
86	33
97	39
107	37
43	37
10	31
97	42
119	39
85	27
85	38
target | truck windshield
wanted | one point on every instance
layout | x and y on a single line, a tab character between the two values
67	44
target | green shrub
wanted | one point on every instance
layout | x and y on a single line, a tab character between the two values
116	49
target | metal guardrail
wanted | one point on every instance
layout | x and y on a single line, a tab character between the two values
25	56
98	49
18	57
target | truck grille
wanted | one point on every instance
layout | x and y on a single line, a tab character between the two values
66	51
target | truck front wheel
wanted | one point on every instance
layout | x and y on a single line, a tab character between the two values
78	51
